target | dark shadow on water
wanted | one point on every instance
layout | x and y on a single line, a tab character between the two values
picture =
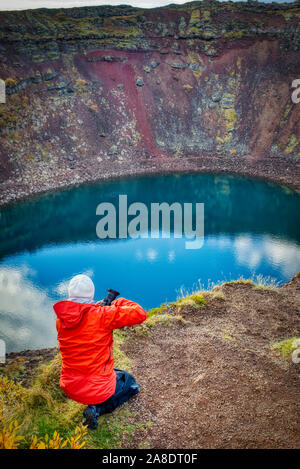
233	204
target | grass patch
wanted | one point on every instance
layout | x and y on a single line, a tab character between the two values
164	320
121	359
286	347
265	283
259	282
15	370
215	293
114	429
43	417
154	311
195	300
241	281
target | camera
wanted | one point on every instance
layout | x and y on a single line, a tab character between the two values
109	298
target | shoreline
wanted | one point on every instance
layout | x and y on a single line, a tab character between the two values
279	170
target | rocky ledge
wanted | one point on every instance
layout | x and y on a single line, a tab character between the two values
100	92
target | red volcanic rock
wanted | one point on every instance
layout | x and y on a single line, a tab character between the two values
101	91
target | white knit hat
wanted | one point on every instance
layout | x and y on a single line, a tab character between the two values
81	286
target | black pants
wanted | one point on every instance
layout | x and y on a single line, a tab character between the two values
126	387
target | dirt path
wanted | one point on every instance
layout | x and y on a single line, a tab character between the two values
214	382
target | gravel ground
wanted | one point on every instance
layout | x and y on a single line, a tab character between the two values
215	382
38	179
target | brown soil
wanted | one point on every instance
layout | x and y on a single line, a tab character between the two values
215	382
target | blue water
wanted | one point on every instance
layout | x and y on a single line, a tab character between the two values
251	228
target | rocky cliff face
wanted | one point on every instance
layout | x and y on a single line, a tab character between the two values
95	88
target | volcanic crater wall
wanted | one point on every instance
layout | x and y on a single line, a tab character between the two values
120	86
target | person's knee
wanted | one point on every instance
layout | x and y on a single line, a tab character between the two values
126	383
127	378
135	388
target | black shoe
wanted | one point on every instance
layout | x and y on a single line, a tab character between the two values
90	417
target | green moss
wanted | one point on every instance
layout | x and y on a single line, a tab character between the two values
80	83
227	336
111	30
158	317
121	359
195	300
14	137
114	429
215	294
137	136
36	58
166	320
286	347
285	114
15	370
292	143
10	82
198	299
236	34
8	117
53	55
230	117
289	14
194	30
259	282
60	17
241	281
48	377
206	15
154	311
195	16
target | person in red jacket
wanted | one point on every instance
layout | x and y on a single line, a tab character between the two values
85	342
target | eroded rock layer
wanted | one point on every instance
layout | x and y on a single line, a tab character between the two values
101	90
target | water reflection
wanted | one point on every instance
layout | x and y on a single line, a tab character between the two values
26	316
232	205
150	271
251	228
251	253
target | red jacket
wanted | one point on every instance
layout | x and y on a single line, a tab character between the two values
85	343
